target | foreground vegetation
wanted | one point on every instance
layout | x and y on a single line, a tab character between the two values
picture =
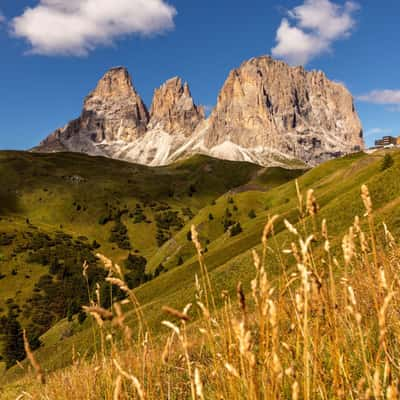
324	326
229	229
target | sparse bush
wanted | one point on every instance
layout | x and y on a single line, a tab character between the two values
159	270
387	162
104	219
236	229
162	236
6	239
187	212
192	190
252	214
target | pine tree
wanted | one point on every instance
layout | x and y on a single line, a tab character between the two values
236	229
387	162
252	214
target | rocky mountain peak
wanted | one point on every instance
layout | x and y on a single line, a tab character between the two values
266	104
173	109
115	83
267	113
114	110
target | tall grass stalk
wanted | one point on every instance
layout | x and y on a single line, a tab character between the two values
325	327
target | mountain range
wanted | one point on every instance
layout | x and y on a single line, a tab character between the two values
267	112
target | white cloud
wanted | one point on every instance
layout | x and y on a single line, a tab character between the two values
75	27
391	97
311	28
2	18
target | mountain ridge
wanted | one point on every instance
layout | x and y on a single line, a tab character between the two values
267	113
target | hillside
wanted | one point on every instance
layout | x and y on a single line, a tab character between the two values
58	210
249	197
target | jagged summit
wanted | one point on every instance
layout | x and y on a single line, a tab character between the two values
267	112
115	82
173	108
113	111
272	108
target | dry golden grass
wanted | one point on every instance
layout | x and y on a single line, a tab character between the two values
327	328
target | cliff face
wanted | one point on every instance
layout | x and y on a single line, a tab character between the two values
267	112
269	107
173	109
112	112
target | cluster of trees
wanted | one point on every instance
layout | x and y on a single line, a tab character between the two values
138	215
62	291
113	214
227	220
229	223
119	235
11	339
134	274
166	222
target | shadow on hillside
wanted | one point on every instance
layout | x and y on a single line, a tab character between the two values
8	202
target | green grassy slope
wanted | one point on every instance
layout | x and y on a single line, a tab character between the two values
48	195
250	202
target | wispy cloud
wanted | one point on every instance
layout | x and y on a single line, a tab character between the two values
311	28
387	96
75	27
377	131
394	108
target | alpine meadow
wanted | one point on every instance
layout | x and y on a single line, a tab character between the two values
240	246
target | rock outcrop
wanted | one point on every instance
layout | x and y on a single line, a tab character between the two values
267	112
173	109
275	111
113	112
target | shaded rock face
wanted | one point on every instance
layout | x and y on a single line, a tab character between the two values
112	112
269	106
267	113
173	109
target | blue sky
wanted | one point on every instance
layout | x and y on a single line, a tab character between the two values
54	51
